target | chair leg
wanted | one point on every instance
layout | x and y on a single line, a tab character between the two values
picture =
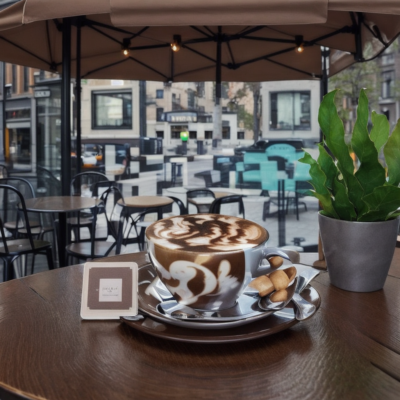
49	256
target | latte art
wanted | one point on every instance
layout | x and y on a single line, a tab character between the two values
206	232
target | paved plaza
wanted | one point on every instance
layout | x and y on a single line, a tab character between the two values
305	228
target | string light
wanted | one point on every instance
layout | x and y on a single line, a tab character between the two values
299	43
125	47
176	43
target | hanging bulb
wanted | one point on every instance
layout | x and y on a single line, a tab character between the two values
176	43
125	47
299	43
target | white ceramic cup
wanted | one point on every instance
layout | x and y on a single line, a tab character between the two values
207	260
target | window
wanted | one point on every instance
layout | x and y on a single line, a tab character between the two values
26	79
159	112
192	135
226	132
159	94
112	110
240	135
208	134
387	84
190	94
200	87
160	134
176	131
290	111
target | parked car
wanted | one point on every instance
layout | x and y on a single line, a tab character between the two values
261	145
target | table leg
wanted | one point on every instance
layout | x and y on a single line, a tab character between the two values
62	239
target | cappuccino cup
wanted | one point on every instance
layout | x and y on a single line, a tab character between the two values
207	260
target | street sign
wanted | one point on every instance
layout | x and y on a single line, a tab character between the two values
39	94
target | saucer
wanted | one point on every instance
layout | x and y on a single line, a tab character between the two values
158	326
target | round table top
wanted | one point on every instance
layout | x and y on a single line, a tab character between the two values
146	201
349	349
60	203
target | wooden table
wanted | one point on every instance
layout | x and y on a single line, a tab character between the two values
349	350
61	205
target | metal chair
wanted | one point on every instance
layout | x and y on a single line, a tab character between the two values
13	249
215	207
85	184
101	247
139	221
202	206
3	171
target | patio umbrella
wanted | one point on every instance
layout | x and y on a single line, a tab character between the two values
218	40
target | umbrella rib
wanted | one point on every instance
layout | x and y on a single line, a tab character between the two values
201	54
105	34
148	66
266	57
103	67
295	69
230	52
209	30
289	41
48	41
194	70
90	23
200	31
26	51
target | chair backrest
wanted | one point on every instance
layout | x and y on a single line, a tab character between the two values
85	184
9	204
269	175
6	192
254	158
302	172
3	171
215	207
47	183
180	204
281	162
192	194
114	217
282	149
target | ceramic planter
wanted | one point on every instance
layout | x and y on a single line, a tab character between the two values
358	254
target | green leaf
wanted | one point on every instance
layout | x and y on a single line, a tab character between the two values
383	201
370	174
380	130
328	166
341	203
319	183
332	127
392	156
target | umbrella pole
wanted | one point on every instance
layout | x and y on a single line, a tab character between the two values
217	134
78	97
66	108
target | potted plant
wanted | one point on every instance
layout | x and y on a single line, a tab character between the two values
359	221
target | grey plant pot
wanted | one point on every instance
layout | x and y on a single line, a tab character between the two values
358	254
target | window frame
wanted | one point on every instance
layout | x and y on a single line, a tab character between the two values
96	93
295	128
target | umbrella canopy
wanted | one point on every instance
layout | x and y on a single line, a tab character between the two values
253	40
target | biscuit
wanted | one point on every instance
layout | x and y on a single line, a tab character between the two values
263	285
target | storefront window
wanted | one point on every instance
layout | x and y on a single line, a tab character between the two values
111	110
290	111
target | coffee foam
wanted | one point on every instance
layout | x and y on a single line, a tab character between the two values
206	232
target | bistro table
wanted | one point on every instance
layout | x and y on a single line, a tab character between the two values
61	205
349	350
141	203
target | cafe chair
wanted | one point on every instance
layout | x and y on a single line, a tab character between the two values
111	242
12	249
3	171
140	222
215	207
207	196
85	184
